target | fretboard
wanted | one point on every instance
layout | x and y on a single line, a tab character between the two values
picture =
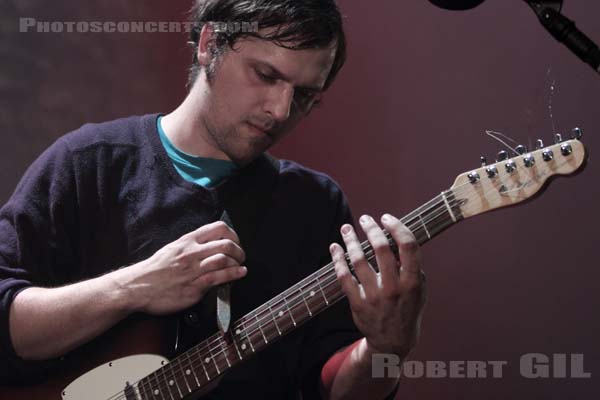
205	362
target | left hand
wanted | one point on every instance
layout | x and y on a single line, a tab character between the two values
386	305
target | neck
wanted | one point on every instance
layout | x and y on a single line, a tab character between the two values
185	126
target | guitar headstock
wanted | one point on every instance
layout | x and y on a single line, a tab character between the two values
509	181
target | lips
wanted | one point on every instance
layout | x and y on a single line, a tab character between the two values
260	129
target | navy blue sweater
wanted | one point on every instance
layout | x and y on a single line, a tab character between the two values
106	195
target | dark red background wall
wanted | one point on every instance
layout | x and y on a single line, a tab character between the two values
407	114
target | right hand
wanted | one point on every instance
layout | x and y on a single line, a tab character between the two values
179	274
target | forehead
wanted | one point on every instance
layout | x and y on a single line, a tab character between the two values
303	66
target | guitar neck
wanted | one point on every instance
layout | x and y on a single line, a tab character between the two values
205	362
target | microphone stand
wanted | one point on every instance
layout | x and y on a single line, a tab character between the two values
564	30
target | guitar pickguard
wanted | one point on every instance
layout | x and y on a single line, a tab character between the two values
104	381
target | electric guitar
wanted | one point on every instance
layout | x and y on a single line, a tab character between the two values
506	182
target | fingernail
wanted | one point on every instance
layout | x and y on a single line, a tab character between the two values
365	219
346	229
386	218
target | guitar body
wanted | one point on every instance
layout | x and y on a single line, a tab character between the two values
146	339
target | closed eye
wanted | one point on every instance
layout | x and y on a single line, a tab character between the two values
264	77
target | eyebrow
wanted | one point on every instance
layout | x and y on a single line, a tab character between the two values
280	75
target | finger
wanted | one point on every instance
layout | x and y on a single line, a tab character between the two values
408	248
215	231
347	281
219	277
222	246
386	261
216	262
365	274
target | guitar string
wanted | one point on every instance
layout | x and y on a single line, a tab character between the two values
273	304
294	305
177	376
294	301
299	286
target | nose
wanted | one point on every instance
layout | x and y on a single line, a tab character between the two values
279	102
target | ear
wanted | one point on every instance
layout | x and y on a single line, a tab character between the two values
206	44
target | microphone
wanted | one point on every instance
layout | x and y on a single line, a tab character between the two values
548	12
457	5
564	30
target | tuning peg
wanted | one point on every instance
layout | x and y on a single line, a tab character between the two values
547	155
521	149
510	166
502	155
566	149
473	177
558	138
529	160
492	171
483	161
539	144
576	133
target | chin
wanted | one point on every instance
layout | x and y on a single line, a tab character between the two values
244	159
247	154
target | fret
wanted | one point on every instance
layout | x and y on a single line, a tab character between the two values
166	385
313	295
213	359
137	394
224	351
199	354
153	381
238	331
173	382
289	310
333	289
260	328
191	368
233	340
154	392
273	317
322	291
450	212
142	389
304	300
183	373
424	226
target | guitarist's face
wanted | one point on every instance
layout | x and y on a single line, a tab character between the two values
258	92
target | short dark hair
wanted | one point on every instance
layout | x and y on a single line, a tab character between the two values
299	24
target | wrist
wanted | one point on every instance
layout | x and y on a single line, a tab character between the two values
127	293
369	349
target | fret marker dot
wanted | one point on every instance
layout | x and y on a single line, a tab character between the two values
171	383
312	293
188	372
156	392
238	331
207	360
243	346
281	313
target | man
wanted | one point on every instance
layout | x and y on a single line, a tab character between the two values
122	217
